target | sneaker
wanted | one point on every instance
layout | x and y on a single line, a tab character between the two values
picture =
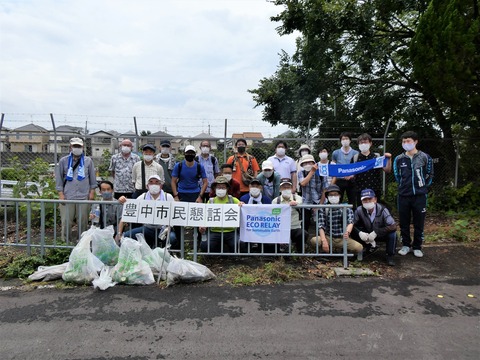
390	260
418	253
404	250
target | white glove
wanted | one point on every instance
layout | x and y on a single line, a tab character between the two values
372	236
363	235
163	234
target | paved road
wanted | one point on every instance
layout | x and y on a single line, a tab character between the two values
345	318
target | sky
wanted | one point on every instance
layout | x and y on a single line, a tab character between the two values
178	66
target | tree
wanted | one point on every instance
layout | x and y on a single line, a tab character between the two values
145	133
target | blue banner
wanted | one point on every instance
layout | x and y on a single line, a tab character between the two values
342	170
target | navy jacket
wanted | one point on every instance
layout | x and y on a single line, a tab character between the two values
414	176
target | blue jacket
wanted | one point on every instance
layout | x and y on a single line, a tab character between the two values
414	176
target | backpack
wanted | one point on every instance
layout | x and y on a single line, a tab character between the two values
279	200
230	200
199	170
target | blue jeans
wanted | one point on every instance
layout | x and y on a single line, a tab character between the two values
151	235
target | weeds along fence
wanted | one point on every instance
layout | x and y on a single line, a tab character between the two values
35	224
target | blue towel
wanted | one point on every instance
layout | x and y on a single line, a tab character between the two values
80	167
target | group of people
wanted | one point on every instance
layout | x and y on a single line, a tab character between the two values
280	180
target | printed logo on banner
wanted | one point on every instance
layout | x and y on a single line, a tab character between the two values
323	170
130	211
265	223
197	215
379	162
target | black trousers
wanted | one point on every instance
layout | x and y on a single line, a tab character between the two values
412	207
347	186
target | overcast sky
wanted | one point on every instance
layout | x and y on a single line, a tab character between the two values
177	65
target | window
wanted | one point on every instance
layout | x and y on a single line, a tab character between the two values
28	148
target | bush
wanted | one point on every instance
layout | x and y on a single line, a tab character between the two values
451	199
10	174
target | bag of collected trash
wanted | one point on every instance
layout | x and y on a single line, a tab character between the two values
130	268
48	273
104	246
181	270
83	266
104	281
153	258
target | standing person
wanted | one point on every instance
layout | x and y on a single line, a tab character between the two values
226	170
270	180
284	164
373	223
344	155
323	155
150	232
186	177
145	168
167	162
110	214
121	166
288	197
243	164
303	150
311	185
371	179
414	174
75	180
210	163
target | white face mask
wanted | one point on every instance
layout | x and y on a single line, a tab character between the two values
323	155
304	152
255	192
267	173
126	149
287	194
154	189
228	176
346	143
368	206
221	192
307	168
364	147
280	151
334	199
408	146
148	157
165	150
77	151
205	150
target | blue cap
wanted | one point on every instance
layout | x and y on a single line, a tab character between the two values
367	194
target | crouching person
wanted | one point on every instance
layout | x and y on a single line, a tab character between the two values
373	223
149	231
287	197
213	243
332	224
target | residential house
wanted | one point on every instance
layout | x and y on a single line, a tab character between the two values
30	138
101	141
60	138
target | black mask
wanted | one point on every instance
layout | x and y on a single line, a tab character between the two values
189	158
241	149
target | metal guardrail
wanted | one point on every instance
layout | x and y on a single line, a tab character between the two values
35	223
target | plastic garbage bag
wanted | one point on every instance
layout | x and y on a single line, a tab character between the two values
104	246
83	266
156	262
48	273
181	270
130	268
104	281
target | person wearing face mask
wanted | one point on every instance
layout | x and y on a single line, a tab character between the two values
75	180
330	223
213	242
189	180
243	163
303	150
145	168
288	197
344	155
233	185
121	166
371	179
284	164
152	233
413	172
373	223
210	163
323	155
255	195
312	186
110	214
270	180
167	162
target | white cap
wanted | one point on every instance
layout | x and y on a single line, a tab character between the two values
155	176
267	165
76	141
190	148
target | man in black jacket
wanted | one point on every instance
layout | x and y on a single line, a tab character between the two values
373	222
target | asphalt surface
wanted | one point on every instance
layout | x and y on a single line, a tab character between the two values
414	317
